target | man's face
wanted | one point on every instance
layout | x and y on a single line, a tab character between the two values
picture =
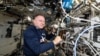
39	21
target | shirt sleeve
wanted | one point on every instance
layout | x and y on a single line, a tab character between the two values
31	39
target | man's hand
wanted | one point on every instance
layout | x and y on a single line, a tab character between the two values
57	40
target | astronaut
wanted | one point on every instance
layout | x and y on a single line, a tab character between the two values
35	35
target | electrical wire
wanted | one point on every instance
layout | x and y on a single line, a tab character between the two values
90	46
95	7
81	19
75	44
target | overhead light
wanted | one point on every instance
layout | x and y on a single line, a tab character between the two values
1	2
30	8
28	18
98	1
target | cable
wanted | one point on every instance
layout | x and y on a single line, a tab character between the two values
91	47
62	7
81	19
75	44
95	7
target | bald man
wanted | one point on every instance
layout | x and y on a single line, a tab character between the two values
34	38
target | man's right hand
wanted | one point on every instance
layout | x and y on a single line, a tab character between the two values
57	40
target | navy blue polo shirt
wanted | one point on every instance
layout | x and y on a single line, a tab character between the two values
33	42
